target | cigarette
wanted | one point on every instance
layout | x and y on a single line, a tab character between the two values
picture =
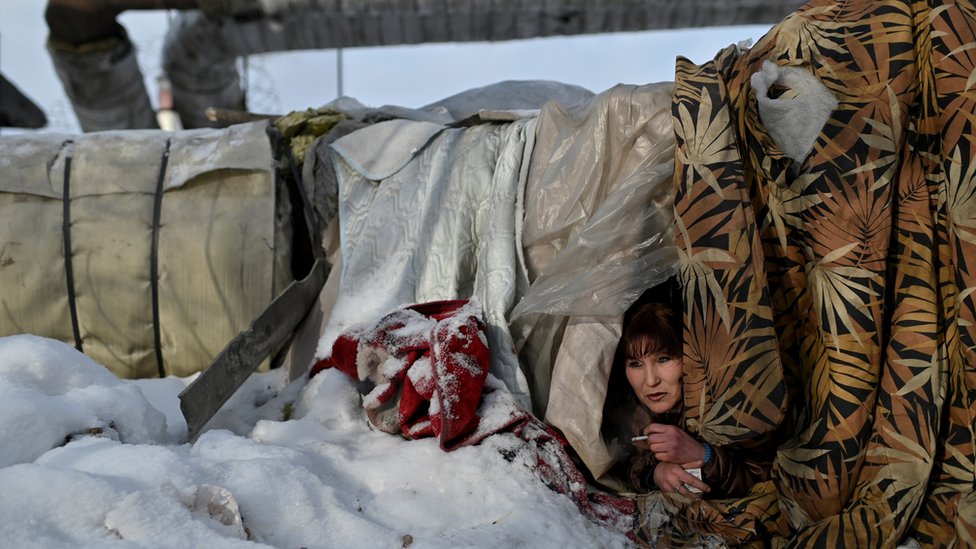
638	438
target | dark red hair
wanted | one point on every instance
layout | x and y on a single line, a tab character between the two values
653	328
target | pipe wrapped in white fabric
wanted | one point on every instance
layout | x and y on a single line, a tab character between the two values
104	85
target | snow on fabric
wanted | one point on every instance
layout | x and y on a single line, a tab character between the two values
445	341
428	213
422	369
321	479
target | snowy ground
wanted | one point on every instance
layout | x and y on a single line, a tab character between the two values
320	479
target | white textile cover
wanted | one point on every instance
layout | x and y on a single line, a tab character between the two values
427	213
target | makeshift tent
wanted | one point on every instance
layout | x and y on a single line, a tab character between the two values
432	212
822	181
822	241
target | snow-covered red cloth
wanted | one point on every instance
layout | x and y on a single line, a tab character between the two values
423	371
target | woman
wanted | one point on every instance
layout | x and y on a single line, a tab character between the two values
644	417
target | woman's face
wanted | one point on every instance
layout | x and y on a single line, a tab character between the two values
656	380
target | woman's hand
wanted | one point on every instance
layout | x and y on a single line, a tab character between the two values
671	477
672	444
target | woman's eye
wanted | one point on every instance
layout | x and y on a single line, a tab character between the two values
634	364
663	359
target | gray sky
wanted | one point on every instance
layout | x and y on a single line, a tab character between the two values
410	76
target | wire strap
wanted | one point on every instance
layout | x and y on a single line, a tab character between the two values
154	261
68	149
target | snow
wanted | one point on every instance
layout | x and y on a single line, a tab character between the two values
51	402
320	479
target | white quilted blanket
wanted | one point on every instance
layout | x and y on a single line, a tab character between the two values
428	213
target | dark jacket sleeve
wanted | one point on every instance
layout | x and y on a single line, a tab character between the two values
640	471
733	472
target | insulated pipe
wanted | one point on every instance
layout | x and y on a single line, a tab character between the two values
104	84
200	52
77	22
96	61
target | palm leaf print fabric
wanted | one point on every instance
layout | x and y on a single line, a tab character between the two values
833	298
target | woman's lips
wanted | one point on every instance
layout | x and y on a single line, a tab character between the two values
656	396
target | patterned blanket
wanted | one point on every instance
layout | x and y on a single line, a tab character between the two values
833	295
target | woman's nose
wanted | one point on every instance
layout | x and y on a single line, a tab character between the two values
650	379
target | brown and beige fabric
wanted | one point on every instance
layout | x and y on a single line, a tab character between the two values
839	288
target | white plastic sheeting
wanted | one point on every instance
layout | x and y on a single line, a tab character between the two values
598	231
598	206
